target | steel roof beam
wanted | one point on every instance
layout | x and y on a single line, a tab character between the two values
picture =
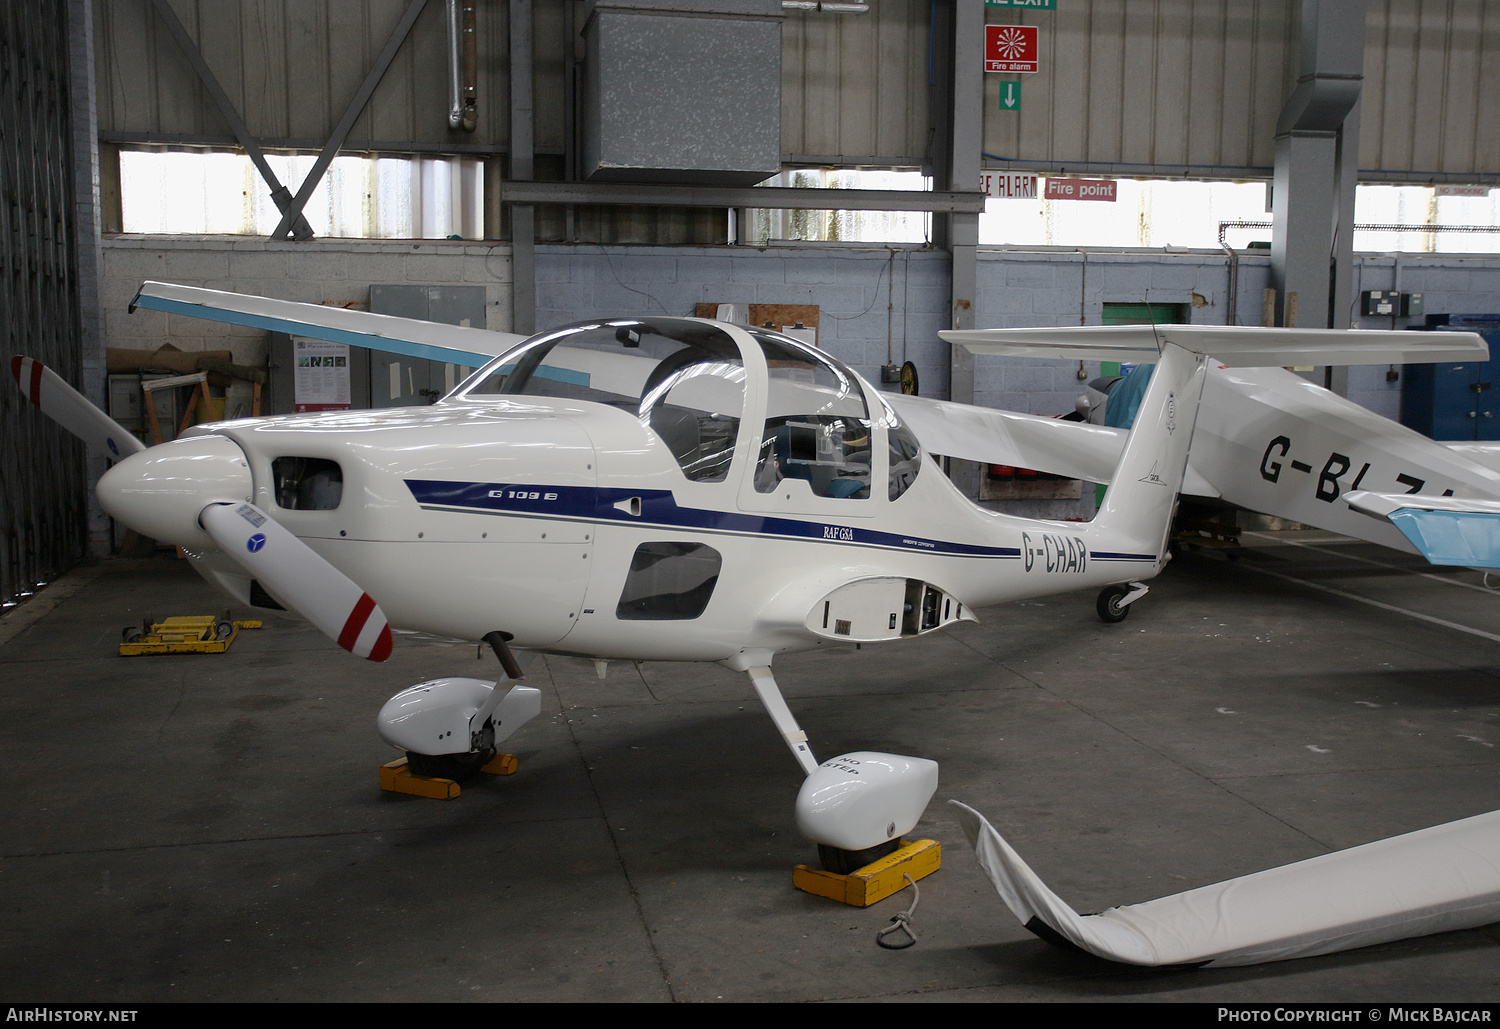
355	108
771	197
279	193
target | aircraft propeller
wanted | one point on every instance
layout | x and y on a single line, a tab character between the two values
72	410
193	491
292	572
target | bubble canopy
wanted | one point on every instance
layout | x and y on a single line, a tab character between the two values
686	378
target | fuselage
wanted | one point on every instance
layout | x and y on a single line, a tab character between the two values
588	527
1271	441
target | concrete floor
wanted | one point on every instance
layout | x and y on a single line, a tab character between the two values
210	828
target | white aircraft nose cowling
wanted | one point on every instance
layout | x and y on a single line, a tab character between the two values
161	491
861	800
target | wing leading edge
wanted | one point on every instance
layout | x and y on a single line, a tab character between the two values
1237	346
411	337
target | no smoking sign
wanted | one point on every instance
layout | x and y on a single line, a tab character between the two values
1010	48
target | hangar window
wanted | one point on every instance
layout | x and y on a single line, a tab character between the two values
843	226
1170	212
669	582
817	426
361	196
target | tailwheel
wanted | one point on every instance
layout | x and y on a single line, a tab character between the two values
847	862
458	767
1110	603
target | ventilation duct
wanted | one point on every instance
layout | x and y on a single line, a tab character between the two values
682	91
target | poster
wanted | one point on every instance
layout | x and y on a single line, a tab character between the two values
320	375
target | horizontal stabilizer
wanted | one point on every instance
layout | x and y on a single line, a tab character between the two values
1486	454
1238	346
412	337
1459	531
1430	881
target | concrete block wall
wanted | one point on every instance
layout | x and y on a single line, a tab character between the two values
1020	288
1449	283
866	296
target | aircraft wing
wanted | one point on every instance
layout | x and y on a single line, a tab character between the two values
1236	346
1486	454
1434	880
1461	531
412	337
1077	450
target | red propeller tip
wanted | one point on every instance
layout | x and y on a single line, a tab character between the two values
382	648
30	379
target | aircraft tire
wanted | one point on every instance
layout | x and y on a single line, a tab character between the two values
846	862
1109	607
457	767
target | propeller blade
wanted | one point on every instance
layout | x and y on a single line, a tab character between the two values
294	574
72	410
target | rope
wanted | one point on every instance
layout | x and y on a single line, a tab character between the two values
902	921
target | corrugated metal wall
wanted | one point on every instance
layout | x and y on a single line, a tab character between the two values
1432	82
1143	86
1131	86
1196	87
291	66
854	87
42	486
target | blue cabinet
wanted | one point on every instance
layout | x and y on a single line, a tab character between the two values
1458	401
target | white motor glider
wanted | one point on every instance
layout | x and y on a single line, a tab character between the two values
665	488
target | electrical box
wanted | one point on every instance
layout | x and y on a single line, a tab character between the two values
1390	304
682	91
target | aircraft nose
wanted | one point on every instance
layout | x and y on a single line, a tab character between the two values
161	491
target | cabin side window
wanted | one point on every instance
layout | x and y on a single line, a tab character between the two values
307	483
905	457
817	426
669	582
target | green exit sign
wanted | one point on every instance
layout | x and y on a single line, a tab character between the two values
1036	5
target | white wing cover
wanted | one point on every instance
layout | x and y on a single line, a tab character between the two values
1430	881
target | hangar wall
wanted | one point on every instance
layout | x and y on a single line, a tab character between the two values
1138	84
849	284
46	284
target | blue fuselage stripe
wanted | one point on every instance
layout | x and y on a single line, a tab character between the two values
659	509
